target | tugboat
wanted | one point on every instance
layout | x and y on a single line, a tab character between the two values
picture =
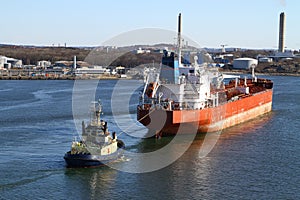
97	146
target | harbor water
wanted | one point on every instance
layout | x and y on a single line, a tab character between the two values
258	159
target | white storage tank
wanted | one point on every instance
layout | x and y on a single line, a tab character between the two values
244	63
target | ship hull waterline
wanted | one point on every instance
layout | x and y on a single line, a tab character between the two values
87	160
173	122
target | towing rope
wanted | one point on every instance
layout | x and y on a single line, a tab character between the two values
135	122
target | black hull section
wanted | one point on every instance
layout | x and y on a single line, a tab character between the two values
85	160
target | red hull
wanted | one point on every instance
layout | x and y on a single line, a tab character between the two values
209	119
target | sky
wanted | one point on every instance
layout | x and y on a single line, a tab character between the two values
209	23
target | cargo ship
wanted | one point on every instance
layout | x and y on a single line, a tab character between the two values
196	97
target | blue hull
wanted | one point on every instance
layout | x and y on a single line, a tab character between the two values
85	160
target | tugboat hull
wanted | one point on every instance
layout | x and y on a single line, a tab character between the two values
88	160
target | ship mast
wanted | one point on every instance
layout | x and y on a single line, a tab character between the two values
179	40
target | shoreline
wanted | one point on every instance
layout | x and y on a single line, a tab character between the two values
128	78
261	74
58	78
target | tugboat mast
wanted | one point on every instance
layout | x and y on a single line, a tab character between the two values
96	110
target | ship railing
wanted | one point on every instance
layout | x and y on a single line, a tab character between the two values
168	105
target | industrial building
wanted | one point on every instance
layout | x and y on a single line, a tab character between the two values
94	70
7	63
44	64
244	63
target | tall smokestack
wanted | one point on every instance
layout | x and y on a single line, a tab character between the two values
179	39
281	32
179	23
74	62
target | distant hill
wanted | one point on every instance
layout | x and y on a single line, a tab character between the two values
124	56
104	56
32	54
